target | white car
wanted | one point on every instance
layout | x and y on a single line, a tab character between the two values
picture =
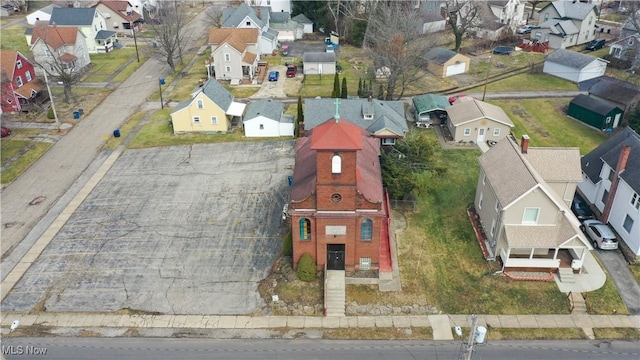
526	29
600	234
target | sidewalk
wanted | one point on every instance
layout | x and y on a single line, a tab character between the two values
442	329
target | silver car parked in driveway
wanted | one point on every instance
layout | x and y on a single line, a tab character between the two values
600	235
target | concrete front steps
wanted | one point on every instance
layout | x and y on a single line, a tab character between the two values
334	293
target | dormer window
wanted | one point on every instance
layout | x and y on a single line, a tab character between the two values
19	64
368	116
336	164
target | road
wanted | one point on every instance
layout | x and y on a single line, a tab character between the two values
57	170
158	349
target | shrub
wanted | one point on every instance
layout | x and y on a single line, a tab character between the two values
287	245
50	114
306	268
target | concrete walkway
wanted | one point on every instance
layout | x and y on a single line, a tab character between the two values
442	325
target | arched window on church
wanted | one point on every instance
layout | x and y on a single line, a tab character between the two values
366	230
305	229
336	164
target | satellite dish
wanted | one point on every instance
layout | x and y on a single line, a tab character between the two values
15	324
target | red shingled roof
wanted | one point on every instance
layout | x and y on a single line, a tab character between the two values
337	135
55	36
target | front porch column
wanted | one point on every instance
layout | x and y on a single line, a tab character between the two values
531	252
555	253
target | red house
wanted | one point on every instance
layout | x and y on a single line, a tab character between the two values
19	83
339	213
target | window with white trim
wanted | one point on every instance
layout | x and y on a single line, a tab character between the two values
19	64
496	132
605	196
28	75
480	201
388	141
627	224
227	57
214	120
336	164
611	173
261	126
365	263
467	131
19	81
227	68
530	216
493	226
484	179
635	201
497	206
200	103
196	119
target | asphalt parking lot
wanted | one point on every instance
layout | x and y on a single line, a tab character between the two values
175	230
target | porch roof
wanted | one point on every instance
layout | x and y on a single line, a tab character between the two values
541	236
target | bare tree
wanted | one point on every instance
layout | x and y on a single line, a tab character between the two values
213	16
169	37
533	3
395	40
634	14
463	15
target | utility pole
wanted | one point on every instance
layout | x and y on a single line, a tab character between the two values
486	79
135	41
53	106
468	350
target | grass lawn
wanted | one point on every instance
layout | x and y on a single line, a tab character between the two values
502	63
13	38
33	150
544	120
104	65
534	82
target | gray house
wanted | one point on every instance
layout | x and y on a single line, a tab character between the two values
92	25
245	16
319	63
234	54
566	23
383	119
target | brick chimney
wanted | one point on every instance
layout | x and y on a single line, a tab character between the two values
622	164
524	144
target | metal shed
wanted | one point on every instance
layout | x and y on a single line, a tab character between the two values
595	112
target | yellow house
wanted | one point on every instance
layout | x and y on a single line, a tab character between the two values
211	109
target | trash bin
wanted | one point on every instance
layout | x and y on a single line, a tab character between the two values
116	133
81	112
76	115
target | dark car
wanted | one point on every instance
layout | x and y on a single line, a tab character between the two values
6	131
274	75
595	44
581	209
292	70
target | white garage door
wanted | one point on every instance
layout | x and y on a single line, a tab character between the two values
455	69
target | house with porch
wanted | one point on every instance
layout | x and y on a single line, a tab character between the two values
59	49
522	202
210	110
246	17
611	183
18	81
91	23
234	54
384	120
472	120
339	209
627	49
120	15
566	23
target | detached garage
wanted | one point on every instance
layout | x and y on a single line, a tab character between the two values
444	62
319	63
594	112
574	66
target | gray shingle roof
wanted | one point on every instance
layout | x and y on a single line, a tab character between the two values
462	112
439	55
270	34
386	114
217	93
104	34
72	16
570	58
573	9
594	104
318	57
615	90
232	17
266	107
279	17
301	19
560	27
609	151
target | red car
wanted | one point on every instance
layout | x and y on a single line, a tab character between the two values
453	98
6	131
292	70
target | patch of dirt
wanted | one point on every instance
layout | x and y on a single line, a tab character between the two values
35	330
128	311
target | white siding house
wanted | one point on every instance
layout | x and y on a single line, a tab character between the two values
574	66
265	118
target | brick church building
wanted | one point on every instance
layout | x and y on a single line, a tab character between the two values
339	209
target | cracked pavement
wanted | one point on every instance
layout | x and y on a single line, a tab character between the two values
179	230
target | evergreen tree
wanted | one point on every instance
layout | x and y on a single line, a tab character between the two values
299	118
336	86
344	88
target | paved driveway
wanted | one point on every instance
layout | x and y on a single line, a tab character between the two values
618	269
179	230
